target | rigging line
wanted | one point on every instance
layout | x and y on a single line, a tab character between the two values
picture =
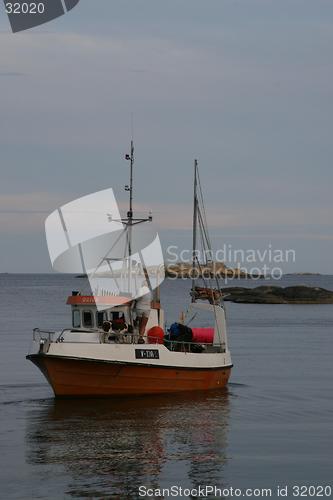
201	228
113	275
126	266
191	319
217	325
215	315
145	271
204	280
204	231
203	204
209	248
214	308
107	253
213	279
204	208
205	242
203	248
201	212
203	221
202	274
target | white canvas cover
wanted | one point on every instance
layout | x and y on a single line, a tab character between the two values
87	236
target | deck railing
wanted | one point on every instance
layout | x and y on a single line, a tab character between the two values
38	335
130	338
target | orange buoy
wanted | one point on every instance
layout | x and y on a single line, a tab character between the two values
155	335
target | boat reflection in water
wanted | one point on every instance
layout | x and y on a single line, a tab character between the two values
97	448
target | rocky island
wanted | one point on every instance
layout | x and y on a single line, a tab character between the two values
278	295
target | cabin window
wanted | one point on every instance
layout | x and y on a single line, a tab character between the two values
100	318
87	319
76	318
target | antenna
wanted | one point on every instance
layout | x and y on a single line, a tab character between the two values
129	188
130	221
130	213
132	126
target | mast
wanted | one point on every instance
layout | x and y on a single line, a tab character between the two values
129	221
195	218
130	212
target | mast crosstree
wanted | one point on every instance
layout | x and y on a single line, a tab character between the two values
129	245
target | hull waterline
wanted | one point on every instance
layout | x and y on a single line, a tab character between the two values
70	377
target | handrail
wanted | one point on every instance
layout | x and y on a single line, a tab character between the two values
187	342
220	347
39	331
131	338
182	343
59	338
49	333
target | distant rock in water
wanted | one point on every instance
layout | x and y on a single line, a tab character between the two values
279	295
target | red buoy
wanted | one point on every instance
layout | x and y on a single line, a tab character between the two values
203	335
155	335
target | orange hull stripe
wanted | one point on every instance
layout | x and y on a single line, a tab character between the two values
83	378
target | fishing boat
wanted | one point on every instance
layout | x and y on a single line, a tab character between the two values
103	353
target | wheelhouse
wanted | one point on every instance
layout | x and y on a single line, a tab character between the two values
86	315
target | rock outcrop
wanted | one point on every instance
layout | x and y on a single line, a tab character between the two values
278	295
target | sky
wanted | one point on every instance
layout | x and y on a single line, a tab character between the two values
245	86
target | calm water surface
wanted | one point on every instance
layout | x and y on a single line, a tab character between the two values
272	426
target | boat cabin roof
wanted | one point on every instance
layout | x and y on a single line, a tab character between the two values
103	300
83	300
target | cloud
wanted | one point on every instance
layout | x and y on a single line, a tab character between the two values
26	213
178	216
79	82
12	73
20	211
250	95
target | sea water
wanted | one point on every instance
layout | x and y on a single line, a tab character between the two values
270	429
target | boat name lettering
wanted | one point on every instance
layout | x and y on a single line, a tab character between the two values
147	354
88	300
